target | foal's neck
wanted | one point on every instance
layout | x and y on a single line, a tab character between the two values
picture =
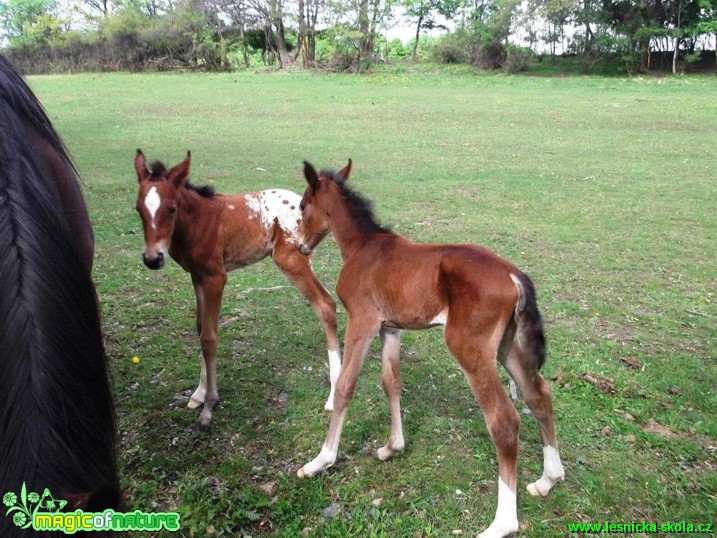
193	214
350	237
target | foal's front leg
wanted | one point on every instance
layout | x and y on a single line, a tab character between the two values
197	397
212	288
297	269
358	338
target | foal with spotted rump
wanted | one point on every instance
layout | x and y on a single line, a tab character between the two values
210	234
388	283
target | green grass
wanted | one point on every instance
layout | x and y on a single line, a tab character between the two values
602	189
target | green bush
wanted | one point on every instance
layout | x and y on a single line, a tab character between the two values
518	59
451	49
395	49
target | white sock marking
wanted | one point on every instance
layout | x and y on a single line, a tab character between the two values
506	515
553	473
552	466
324	460
199	395
334	371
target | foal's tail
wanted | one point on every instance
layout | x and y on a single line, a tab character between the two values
530	324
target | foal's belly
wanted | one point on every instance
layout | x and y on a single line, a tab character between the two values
243	255
418	322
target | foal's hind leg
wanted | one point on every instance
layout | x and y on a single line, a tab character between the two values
476	355
297	269
391	382
538	397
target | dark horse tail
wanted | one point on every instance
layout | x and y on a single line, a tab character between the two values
57	422
530	323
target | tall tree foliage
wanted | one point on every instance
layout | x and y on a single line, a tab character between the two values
21	20
218	34
425	15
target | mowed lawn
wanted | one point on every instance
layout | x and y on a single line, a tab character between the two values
604	190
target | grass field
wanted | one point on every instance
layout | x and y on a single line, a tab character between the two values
603	189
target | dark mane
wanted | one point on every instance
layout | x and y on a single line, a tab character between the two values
205	191
57	422
361	208
157	170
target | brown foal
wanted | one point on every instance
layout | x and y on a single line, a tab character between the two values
388	283
210	234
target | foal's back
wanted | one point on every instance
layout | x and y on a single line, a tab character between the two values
415	284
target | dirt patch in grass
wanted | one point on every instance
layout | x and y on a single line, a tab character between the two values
606	385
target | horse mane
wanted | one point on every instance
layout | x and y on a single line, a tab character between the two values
57	421
361	208
157	170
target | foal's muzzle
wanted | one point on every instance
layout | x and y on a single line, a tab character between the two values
156	262
305	250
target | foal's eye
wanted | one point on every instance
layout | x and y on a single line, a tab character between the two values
172	210
302	206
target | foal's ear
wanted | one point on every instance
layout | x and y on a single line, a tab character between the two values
311	176
346	171
180	173
140	165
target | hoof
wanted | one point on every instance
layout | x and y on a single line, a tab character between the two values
541	487
193	404
329	406
490	532
302	474
384	453
201	427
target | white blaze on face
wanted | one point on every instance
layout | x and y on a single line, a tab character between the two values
152	201
277	204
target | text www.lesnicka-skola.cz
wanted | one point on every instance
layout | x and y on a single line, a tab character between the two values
671	527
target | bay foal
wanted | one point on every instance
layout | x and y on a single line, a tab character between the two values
210	234
388	283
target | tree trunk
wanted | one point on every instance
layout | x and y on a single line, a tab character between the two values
414	55
677	39
277	31
285	59
303	47
244	50
363	26
311	46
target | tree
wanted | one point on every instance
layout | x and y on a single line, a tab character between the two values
20	20
425	13
708	21
489	24
356	25
308	16
272	14
558	14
